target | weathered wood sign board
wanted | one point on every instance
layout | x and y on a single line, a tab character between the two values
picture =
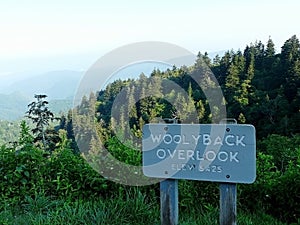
208	152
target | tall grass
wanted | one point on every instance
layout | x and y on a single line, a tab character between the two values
133	208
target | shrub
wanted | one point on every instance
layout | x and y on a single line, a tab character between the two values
284	195
283	149
21	173
277	187
29	171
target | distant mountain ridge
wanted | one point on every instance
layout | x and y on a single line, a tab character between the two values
59	86
56	84
14	106
17	90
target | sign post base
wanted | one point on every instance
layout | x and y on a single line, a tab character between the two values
169	202
228	204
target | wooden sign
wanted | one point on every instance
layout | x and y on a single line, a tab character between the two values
208	152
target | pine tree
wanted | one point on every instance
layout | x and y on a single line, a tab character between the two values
216	60
224	66
190	105
201	110
40	115
246	84
206	59
26	137
290	59
232	81
270	50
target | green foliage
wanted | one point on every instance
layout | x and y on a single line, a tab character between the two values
63	174
40	209
136	209
278	179
29	173
26	137
69	175
260	87
124	152
21	172
282	199
9	132
284	195
282	149
40	115
191	193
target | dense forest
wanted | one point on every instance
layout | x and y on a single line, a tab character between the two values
260	86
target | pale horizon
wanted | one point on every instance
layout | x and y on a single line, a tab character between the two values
55	35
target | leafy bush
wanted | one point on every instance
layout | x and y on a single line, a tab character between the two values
69	175
276	188
27	172
284	195
30	170
283	149
197	193
124	152
21	172
256	195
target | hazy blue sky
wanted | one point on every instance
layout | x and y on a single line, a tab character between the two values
72	34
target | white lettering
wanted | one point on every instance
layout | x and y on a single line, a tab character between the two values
196	138
199	157
155	138
186	154
184	140
183	166
171	154
181	154
177	139
190	154
167	139
213	169
191	166
233	157
240	141
225	156
173	166
210	155
161	153
230	140
218	141
206	139
227	142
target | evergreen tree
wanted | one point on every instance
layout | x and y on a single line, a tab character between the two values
290	59
270	50
246	84
223	68
40	115
216	60
232	81
201	111
206	58
257	84
259	51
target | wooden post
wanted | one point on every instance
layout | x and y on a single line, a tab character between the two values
228	196
169	197
169	202
228	204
